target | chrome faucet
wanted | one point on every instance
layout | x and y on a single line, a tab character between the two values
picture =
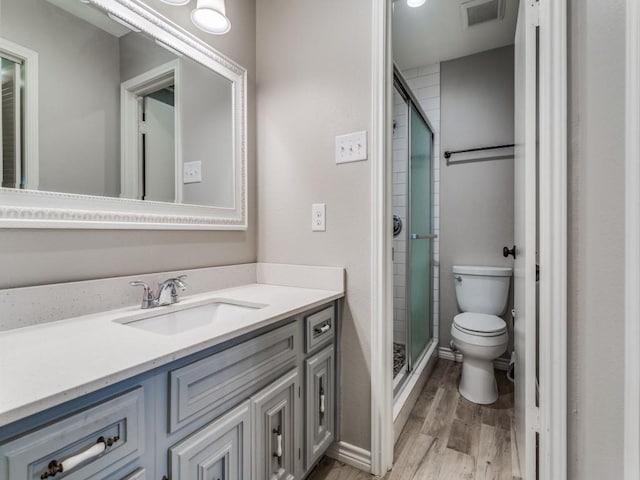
167	292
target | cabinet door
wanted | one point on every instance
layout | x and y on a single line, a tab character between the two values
320	400
219	451
276	413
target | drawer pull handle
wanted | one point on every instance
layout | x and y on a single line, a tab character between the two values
278	452
322	407
56	467
323	329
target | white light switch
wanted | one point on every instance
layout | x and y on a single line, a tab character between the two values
318	211
192	172
351	147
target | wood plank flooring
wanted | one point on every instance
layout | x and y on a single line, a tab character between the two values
447	437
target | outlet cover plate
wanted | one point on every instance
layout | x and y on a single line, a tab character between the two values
318	216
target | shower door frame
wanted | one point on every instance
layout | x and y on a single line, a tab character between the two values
400	84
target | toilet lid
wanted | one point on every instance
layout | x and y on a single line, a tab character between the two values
480	323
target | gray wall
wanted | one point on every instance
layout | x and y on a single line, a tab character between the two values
314	71
596	239
476	198
78	75
34	257
207	134
206	118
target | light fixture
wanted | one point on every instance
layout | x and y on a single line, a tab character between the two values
416	3
210	16
176	2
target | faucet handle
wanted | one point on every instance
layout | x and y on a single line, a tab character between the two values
180	283
147	293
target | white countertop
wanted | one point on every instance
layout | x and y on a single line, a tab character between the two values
46	365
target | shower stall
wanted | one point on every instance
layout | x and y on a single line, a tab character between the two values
413	141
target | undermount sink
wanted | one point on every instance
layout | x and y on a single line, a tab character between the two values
189	318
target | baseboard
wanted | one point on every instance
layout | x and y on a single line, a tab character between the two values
448	354
351	455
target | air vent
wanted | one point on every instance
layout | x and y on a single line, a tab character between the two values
476	12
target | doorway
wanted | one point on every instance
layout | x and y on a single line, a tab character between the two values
550	107
413	232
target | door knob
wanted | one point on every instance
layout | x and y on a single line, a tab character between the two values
506	252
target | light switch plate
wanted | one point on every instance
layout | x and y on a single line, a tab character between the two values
351	147
318	211
192	172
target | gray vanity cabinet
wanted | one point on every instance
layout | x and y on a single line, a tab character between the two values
320	408
276	439
257	407
219	451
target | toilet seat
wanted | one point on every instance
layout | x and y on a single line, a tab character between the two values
479	324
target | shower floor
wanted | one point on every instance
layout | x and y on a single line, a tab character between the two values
399	357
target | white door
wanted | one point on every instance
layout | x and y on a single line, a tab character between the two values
526	76
159	151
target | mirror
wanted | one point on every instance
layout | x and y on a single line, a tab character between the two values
108	107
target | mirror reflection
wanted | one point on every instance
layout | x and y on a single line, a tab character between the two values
91	106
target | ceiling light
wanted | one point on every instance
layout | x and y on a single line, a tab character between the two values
176	2
210	16
416	3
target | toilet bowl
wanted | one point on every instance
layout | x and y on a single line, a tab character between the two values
480	338
478	333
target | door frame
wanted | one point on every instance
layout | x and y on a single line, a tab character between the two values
31	136
632	245
553	239
130	91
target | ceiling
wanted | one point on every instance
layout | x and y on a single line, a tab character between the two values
434	32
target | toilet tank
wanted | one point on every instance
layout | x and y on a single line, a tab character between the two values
482	289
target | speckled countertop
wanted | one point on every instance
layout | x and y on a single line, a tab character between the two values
32	381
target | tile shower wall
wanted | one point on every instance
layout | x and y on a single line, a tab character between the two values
425	85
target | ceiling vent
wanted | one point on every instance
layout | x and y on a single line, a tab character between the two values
475	12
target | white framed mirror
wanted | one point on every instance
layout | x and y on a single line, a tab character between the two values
112	116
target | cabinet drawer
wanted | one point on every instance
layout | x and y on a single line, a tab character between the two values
319	328
320	400
76	443
216	383
139	474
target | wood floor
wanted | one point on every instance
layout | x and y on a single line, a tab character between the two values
447	437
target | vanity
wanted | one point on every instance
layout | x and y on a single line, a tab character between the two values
238	383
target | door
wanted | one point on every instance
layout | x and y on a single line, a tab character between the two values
158	147
219	451
320	412
525	209
420	267
277	417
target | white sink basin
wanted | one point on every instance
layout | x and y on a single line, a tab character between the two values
178	321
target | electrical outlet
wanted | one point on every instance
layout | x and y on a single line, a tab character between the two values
351	147
318	211
192	172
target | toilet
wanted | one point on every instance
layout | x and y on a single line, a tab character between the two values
478	333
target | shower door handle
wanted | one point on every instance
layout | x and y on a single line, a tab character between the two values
418	236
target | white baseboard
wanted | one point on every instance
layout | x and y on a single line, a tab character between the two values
448	354
351	455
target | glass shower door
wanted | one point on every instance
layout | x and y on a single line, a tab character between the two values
420	236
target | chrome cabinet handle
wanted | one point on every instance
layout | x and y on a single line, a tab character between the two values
420	236
322	406
56	467
323	329
278	452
